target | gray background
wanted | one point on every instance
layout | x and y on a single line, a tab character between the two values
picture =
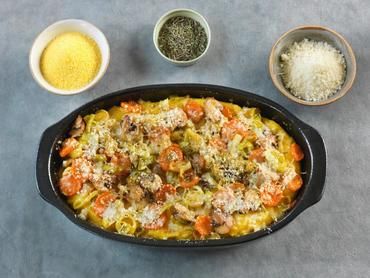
330	239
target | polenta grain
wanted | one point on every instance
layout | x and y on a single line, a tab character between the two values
70	61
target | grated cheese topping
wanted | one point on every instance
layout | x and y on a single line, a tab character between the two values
216	175
313	70
267	173
110	212
149	215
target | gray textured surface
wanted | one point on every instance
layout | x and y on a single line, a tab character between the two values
329	239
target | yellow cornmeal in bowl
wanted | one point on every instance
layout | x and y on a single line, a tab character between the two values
70	61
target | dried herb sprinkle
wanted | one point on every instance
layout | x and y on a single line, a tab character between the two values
182	38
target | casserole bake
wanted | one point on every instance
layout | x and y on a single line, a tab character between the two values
181	168
313	166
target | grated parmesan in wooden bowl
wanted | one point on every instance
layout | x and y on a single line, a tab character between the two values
313	70
312	65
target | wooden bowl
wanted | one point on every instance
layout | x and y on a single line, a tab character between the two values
317	33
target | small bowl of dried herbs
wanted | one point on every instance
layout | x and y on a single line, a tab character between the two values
182	36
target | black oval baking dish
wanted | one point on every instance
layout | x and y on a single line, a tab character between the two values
313	166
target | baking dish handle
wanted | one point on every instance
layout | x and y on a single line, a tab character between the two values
43	177
316	180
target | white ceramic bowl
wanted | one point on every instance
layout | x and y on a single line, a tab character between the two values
59	27
181	12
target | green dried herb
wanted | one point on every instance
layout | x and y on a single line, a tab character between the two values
182	38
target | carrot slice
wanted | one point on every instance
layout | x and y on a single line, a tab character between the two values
228	112
123	162
102	202
271	198
203	225
81	169
218	144
68	146
194	111
275	200
171	154
296	183
257	155
233	127
189	179
131	106
156	133
70	185
296	152
158	223
164	191
237	186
